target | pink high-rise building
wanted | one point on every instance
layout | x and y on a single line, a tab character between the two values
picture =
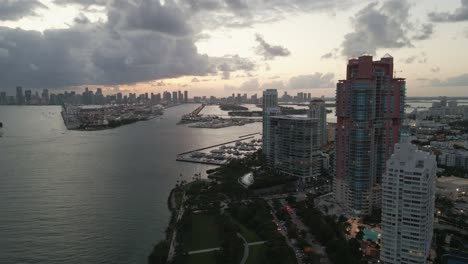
369	109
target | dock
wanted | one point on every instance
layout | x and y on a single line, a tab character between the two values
243	146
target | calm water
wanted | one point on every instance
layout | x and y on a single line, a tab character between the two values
91	197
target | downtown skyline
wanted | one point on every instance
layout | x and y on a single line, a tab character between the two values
222	47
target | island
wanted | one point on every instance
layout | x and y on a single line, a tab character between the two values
99	117
232	107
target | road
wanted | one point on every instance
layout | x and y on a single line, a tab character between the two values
284	233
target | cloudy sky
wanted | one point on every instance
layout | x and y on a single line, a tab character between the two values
219	47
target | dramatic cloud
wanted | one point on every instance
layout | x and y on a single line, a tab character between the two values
195	79
459	14
232	63
268	51
435	69
426	32
460	80
16	9
317	80
141	40
149	15
378	27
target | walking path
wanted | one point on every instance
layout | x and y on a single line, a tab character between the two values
204	251
171	253
246	249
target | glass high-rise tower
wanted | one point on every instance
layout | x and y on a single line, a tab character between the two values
369	108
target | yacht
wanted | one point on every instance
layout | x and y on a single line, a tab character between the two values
1	129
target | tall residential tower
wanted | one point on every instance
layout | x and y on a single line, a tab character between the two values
408	192
270	108
369	108
318	111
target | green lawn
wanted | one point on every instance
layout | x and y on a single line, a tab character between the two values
203	233
204	258
248	234
257	254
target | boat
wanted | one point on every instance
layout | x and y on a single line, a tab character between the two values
1	129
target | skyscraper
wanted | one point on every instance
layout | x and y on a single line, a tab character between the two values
27	96
185	96
180	96
318	110
270	107
19	95
174	96
369	108
408	191
294	146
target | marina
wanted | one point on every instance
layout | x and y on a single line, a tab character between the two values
222	153
197	120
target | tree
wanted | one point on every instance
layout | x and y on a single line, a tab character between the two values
360	235
160	253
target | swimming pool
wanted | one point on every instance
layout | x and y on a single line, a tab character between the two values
370	235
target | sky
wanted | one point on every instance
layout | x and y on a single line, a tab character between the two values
220	47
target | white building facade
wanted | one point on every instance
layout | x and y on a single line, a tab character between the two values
408	193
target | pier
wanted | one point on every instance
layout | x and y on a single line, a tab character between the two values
198	110
243	146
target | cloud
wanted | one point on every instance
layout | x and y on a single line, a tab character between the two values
435	69
278	85
231	63
459	14
328	55
149	15
250	85
81	19
195	79
460	80
378	27
96	53
121	50
17	9
85	3
316	80
244	13
426	32
421	58
268	51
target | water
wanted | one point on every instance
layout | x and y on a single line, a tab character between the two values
91	197
370	235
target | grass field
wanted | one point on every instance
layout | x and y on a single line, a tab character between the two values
248	234
257	254
203	233
204	258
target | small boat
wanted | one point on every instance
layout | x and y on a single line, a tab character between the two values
1	129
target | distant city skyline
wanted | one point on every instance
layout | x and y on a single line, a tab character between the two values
218	47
